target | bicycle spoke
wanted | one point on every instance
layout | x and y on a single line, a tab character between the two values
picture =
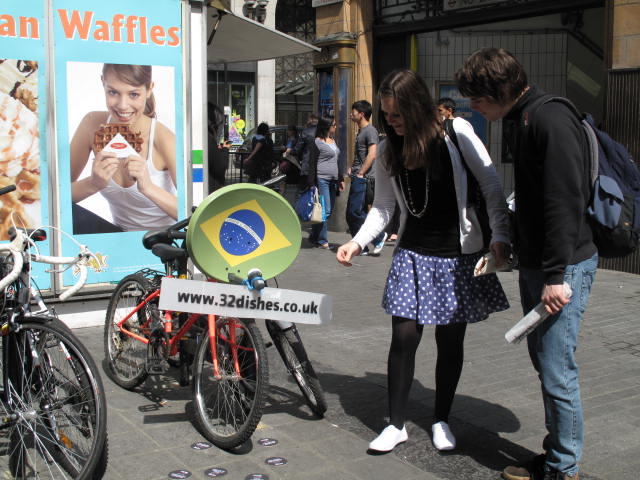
126	355
52	401
229	406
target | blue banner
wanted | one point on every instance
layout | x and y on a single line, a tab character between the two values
23	120
119	104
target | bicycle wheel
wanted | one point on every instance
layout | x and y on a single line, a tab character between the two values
125	355
229	407
294	356
53	410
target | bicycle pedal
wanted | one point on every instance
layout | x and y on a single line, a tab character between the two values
156	366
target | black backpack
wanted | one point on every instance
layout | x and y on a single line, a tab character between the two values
614	208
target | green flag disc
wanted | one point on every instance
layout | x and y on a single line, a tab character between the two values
240	227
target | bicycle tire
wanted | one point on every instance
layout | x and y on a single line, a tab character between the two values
127	357
55	399
102	463
295	358
228	409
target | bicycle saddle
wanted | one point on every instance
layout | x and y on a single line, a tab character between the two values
36	234
154	237
166	236
168	252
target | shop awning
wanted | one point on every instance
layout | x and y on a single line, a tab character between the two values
239	39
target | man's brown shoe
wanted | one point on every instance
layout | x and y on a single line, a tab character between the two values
531	470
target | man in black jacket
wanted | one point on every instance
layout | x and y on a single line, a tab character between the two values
553	240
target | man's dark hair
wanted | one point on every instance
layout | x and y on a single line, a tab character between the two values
448	103
363	107
493	73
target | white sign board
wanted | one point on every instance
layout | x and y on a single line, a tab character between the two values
238	301
451	5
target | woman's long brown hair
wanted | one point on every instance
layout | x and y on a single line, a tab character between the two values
421	124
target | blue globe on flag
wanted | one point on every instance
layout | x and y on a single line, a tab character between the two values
242	232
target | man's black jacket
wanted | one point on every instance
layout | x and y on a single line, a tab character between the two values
552	185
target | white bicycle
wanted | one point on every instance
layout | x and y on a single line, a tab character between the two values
53	415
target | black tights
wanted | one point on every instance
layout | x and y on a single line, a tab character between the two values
406	335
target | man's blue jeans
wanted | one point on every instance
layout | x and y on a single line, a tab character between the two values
552	348
328	189
356	208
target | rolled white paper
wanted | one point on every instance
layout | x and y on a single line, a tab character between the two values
531	320
487	264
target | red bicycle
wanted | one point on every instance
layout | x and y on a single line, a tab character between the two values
225	357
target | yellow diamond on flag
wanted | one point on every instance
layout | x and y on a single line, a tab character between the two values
243	232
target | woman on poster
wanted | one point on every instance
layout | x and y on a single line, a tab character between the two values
140	189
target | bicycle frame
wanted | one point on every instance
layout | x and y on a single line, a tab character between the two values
213	334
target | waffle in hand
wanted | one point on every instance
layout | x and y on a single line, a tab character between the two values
109	130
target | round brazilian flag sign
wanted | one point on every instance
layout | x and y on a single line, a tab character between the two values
241	227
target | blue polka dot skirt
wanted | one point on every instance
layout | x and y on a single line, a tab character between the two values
440	291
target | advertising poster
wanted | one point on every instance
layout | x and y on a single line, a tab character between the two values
23	148
119	105
325	93
463	109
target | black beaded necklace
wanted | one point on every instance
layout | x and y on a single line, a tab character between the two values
408	195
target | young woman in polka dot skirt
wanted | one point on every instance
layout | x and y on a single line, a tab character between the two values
439	242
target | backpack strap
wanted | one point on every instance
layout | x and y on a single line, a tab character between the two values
448	127
473	188
592	139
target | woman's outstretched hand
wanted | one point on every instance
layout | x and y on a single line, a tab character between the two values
346	252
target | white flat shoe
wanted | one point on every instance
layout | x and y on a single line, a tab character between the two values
443	439
388	439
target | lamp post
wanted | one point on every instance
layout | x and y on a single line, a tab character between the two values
255	10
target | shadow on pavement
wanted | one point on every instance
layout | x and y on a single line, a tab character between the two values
480	453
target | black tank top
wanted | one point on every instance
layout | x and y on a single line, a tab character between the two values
437	231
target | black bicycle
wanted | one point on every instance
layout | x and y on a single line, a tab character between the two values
53	422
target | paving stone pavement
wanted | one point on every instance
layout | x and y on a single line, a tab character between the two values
497	415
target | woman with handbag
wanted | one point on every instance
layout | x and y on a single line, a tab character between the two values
439	242
326	173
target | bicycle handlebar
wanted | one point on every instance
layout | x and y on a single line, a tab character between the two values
7	189
82	279
21	243
80	260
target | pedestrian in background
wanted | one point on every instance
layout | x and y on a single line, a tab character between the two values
325	172
307	138
553	241
361	173
446	108
431	278
259	163
289	165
